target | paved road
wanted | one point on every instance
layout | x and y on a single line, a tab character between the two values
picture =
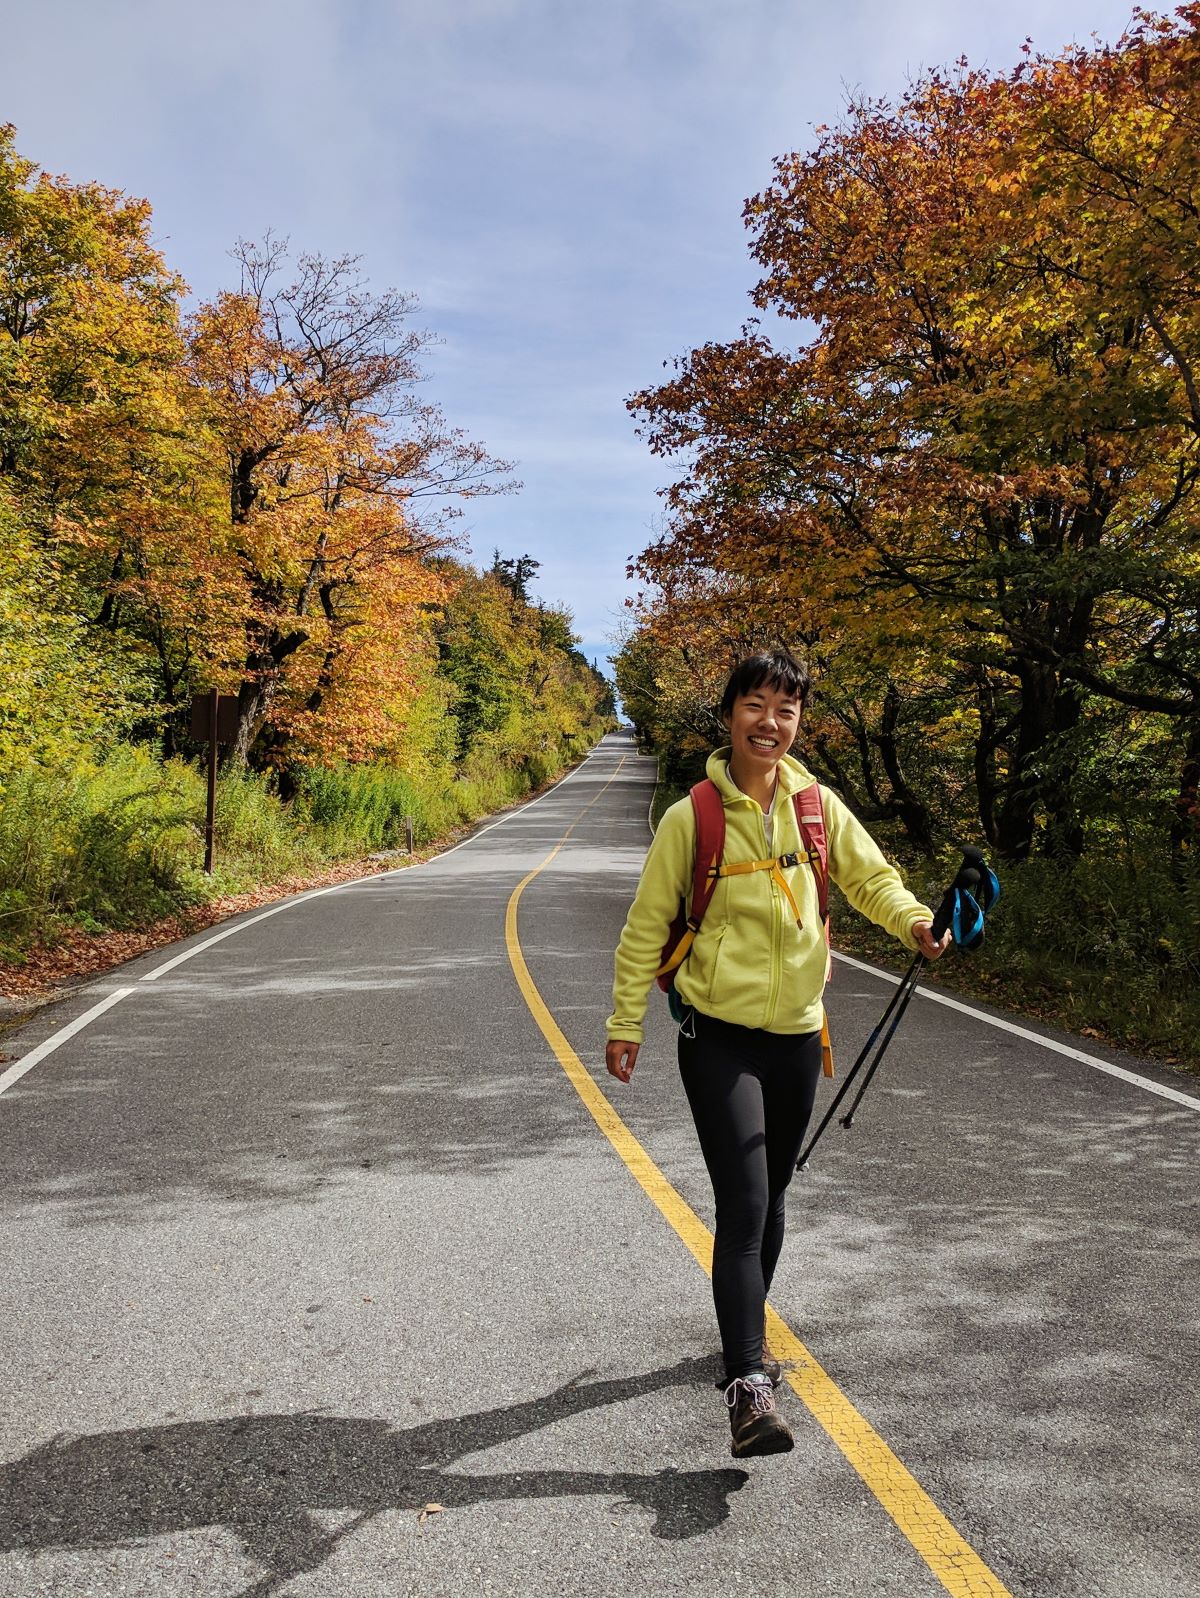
313	1230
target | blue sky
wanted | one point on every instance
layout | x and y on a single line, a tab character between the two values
559	184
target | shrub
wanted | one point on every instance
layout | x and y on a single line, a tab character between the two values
1107	942
111	844
258	838
118	841
358	809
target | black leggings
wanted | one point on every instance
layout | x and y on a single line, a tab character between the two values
751	1095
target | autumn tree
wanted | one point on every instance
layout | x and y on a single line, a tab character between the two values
341	483
986	449
1112	157
861	732
523	696
257	499
102	456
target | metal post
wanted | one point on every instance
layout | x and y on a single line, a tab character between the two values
210	818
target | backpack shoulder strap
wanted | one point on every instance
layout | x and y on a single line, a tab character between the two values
810	819
709	810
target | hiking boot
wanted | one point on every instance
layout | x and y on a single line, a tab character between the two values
756	1425
770	1367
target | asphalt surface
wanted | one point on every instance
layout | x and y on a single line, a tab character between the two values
313	1232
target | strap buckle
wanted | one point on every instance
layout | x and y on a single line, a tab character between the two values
800	857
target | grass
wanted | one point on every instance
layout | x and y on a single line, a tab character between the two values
104	845
1105	950
665	796
117	843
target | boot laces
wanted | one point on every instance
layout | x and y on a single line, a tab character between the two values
760	1394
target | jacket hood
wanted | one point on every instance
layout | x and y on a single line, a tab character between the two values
793	775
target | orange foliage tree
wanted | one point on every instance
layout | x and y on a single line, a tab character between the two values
982	464
339	478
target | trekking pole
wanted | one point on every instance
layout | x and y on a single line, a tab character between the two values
898	999
916	968
972	874
967	877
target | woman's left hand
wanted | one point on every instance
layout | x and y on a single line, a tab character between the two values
923	932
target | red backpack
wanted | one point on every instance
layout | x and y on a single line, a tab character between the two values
709	811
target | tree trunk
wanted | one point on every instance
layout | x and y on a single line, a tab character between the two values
254	704
987	789
257	693
913	813
1063	838
1016	813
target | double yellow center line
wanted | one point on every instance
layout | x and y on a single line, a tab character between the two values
956	1565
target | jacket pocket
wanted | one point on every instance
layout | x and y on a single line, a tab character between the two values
716	961
805	963
704	960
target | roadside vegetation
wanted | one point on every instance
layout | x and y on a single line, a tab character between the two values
254	495
968	493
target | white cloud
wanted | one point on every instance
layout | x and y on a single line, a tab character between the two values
561	184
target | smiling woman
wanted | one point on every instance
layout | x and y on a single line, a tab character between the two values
762	712
750	1039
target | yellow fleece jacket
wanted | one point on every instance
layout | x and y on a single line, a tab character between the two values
750	963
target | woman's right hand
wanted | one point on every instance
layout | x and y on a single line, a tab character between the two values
620	1058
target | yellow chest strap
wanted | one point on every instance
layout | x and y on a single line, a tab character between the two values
776	867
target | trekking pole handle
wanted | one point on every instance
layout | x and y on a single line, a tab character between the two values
969	875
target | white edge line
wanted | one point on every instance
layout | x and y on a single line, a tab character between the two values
1119	1071
313	893
27	1061
378	876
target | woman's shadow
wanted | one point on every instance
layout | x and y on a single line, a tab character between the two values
263	1475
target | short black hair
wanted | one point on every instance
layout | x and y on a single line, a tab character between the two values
773	668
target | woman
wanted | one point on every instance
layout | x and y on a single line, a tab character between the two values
751	985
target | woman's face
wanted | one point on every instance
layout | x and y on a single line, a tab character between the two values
762	727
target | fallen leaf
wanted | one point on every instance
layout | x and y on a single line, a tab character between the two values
430	1509
76	953
1090	1032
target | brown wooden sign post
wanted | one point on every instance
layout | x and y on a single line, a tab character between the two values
215	718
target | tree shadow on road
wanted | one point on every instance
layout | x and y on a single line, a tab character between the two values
264	1477
169	1111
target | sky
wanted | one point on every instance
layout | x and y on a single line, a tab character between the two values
559	183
